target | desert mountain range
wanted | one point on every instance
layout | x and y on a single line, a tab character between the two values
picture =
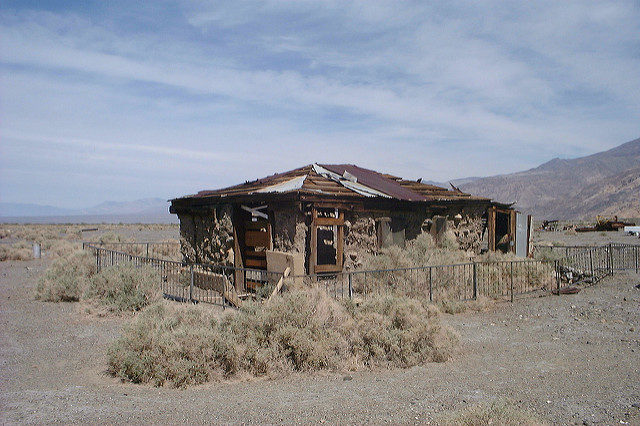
605	183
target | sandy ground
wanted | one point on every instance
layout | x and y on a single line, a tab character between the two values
569	359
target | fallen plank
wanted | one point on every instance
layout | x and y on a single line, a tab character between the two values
566	290
279	284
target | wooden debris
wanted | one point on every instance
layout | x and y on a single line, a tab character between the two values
278	286
566	290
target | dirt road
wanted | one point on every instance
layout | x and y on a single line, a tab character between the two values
570	359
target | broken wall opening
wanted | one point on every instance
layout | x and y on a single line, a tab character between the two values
503	231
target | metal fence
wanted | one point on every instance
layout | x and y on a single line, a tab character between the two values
208	283
465	281
151	249
595	261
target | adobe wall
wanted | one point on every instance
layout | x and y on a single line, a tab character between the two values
468	231
360	238
207	238
289	230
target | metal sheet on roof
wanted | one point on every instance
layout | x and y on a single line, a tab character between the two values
375	181
286	186
350	182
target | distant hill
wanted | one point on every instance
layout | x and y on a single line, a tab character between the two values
602	183
615	195
148	210
23	209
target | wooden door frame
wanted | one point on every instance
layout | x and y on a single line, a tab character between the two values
314	268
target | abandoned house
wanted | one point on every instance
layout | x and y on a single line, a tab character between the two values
322	218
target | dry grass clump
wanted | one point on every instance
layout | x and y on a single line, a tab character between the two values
548	254
111	237
123	288
16	251
167	249
451	275
61	248
481	304
420	251
66	278
118	288
298	331
497	413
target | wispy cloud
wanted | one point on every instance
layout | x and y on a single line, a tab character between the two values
212	93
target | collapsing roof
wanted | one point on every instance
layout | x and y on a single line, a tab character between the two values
340	181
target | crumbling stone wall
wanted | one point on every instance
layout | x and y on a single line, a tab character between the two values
360	238
289	230
207	238
468	231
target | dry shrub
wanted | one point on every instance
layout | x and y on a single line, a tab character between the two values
111	237
481	304
123	288
548	254
61	248
66	278
298	331
16	251
421	251
167	249
497	413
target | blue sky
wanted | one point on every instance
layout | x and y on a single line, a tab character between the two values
112	100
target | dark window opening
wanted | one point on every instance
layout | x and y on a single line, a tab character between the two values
327	248
503	241
328	234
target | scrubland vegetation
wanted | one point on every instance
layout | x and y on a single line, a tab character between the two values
66	279
452	281
60	240
298	331
15	251
301	330
122	288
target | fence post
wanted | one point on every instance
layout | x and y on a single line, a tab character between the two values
636	256
430	286
191	286
97	261
591	263
475	282
350	287
557	268
511	281
147	250
610	259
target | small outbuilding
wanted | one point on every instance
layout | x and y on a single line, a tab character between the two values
323	218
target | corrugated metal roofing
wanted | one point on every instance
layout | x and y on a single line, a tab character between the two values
338	181
376	180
